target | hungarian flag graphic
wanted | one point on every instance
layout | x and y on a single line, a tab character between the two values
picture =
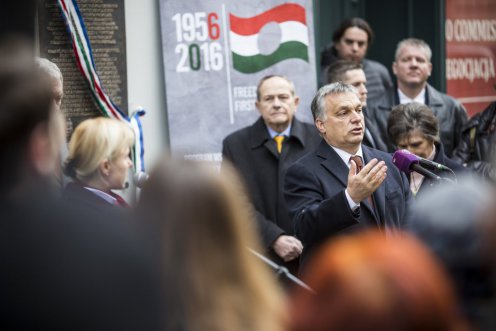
245	33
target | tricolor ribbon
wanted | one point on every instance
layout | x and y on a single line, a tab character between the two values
84	60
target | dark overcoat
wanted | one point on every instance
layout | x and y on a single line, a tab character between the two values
254	154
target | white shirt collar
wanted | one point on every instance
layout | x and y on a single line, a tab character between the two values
105	196
433	153
284	133
345	156
420	98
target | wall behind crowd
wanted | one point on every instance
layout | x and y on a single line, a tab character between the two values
145	73
391	20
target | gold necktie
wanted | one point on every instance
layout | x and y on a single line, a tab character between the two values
279	140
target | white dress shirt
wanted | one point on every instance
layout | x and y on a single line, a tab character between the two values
345	156
419	98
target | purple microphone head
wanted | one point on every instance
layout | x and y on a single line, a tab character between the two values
403	160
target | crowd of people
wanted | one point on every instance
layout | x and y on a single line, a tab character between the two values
356	243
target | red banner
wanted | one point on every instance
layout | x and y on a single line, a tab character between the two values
471	52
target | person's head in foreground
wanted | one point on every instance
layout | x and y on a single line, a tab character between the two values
458	223
31	129
365	282
202	222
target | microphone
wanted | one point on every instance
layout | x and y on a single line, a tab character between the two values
140	178
431	164
408	162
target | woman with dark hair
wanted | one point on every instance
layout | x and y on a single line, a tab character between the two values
202	226
414	127
351	42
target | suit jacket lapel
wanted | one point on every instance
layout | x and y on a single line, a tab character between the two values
259	135
379	196
332	162
272	147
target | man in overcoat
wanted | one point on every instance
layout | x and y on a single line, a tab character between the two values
261	153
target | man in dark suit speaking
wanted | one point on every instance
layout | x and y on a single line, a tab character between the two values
343	186
262	152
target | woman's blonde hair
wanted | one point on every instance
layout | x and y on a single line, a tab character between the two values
211	279
93	141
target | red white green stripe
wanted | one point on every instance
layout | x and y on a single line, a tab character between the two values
84	60
245	32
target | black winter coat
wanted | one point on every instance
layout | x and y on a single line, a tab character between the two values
477	147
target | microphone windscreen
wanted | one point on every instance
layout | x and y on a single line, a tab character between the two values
403	160
140	178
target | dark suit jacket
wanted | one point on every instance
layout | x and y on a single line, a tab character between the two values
75	194
314	190
254	154
68	267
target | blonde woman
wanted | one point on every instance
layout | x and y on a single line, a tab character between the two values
203	229
99	162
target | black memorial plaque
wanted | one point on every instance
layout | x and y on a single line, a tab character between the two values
105	24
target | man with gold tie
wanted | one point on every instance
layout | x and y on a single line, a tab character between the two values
262	152
343	186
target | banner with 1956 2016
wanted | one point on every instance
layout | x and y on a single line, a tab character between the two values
214	55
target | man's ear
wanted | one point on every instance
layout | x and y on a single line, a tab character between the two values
257	105
320	126
394	67
296	101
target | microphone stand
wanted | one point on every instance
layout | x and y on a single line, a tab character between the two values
280	270
426	173
434	177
